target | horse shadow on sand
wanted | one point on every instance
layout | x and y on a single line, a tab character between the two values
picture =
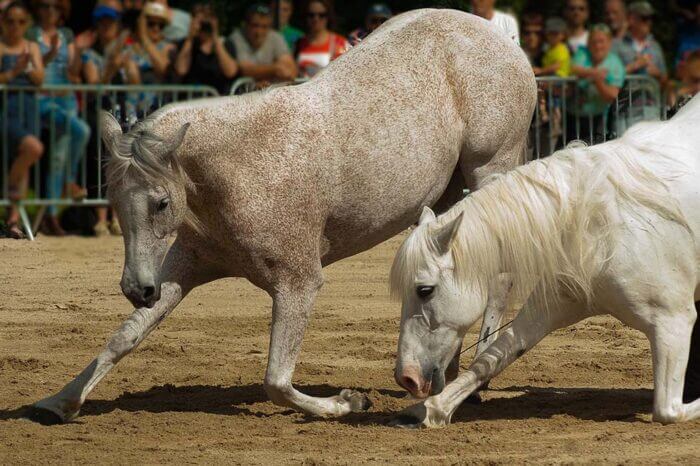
525	402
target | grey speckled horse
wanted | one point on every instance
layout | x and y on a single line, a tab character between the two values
276	185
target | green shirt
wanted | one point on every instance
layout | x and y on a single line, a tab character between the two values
292	36
590	102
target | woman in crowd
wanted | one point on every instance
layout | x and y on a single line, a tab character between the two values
533	37
20	65
205	57
320	46
601	75
151	52
59	110
107	63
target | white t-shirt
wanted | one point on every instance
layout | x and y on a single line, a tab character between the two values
507	24
577	42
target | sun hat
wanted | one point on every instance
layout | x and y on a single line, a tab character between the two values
156	10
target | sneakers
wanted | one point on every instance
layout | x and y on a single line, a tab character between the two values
115	228
104	228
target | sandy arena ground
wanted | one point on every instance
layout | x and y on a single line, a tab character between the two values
192	392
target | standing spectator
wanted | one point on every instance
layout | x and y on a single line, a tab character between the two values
20	65
638	49
262	53
62	63
616	18
503	21
688	35
576	13
532	37
557	59
377	14
285	9
602	75
320	46
205	57
87	39
107	62
151	52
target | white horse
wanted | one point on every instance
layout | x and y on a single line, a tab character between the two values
611	229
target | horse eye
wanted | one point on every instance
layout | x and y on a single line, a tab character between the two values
163	204
424	292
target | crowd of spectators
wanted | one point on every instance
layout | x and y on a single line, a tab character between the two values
142	43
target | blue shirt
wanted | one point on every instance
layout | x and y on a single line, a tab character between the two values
625	49
56	71
590	101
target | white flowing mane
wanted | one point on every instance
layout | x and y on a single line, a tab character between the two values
549	223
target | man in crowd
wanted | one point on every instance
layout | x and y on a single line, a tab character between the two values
503	21
533	34
638	49
262	53
616	18
377	14
576	13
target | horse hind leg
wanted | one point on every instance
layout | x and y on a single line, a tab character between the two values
691	390
670	336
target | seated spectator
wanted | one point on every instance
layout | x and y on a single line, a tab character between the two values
503	21
320	46
62	63
616	18
20	65
532	37
378	14
601	75
576	13
262	53
557	59
205	57
688	36
638	49
285	9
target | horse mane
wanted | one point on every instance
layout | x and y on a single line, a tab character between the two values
549	223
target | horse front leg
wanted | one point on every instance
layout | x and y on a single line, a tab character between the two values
292	305
180	274
528	328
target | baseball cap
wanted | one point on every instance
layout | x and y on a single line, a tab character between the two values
380	10
102	12
642	9
555	25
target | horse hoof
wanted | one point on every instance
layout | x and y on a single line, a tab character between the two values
43	416
359	402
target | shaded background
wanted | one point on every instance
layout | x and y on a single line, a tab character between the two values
351	13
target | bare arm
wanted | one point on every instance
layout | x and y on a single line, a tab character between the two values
74	64
159	59
284	69
91	73
607	92
183	62
227	64
36	75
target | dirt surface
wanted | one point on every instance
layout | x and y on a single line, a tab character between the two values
192	392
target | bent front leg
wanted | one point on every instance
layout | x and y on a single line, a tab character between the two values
528	328
180	275
290	315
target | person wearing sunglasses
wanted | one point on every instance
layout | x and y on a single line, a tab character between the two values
576	14
262	52
320	46
59	110
377	14
20	65
150	51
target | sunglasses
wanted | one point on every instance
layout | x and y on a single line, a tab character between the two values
317	15
155	25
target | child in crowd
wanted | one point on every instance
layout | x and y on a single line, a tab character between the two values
556	59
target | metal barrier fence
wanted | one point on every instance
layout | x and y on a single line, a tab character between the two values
67	120
564	113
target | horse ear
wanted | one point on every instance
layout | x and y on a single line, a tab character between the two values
111	131
446	234
175	142
426	216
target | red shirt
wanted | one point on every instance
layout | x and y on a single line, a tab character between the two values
312	58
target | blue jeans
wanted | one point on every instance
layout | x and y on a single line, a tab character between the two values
69	129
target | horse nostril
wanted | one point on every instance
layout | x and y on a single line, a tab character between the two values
148	292
409	383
